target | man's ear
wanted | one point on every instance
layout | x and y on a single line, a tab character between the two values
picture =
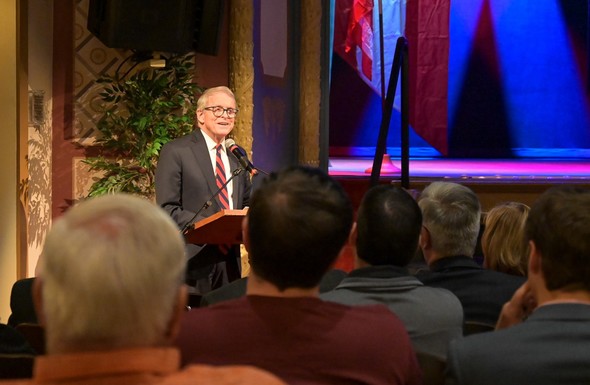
535	262
177	312
425	242
200	116
38	300
245	237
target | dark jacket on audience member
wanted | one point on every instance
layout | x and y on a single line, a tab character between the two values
551	347
12	342
21	303
482	292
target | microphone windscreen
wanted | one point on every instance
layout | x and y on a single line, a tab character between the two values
229	143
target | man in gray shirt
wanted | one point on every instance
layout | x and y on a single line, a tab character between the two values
386	238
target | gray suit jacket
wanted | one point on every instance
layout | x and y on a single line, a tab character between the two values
432	316
551	347
185	181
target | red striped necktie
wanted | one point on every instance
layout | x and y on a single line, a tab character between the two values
220	179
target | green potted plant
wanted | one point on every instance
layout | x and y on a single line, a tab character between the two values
142	112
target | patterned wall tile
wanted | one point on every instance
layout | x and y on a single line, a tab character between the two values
92	59
82	178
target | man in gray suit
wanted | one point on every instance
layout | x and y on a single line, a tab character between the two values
186	180
546	336
386	238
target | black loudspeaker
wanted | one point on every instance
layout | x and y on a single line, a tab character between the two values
209	18
157	25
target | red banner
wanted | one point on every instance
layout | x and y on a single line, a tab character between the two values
427	31
425	23
360	34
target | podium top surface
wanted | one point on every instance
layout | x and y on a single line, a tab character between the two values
223	227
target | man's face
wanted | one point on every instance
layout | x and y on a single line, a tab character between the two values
217	127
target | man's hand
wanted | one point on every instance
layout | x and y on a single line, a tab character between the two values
520	306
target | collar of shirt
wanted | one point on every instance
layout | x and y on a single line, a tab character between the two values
455	262
211	145
82	366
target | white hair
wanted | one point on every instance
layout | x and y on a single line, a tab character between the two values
111	271
204	98
451	212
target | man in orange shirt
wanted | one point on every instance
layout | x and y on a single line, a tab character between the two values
110	294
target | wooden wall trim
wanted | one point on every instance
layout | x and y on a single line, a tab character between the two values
309	83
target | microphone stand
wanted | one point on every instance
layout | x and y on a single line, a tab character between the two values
260	171
208	203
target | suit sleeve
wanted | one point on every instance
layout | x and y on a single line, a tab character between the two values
452	373
169	186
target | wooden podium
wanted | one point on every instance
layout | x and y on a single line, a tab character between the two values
223	227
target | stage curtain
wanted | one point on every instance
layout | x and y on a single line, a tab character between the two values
425	24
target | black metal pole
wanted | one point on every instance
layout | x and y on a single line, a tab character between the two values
405	127
400	49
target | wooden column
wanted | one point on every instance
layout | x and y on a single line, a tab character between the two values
241	68
310	89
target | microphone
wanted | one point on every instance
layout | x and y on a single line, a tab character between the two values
240	154
209	202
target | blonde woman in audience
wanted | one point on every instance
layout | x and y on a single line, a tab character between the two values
502	242
544	327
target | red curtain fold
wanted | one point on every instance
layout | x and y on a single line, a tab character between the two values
427	31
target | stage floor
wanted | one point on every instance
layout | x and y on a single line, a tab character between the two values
494	181
496	170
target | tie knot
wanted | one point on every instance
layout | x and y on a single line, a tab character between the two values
219	148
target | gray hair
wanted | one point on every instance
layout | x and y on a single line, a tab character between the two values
204	98
111	270
451	212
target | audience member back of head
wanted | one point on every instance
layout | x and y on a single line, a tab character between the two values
451	222
503	243
298	222
386	238
21	303
545	335
110	294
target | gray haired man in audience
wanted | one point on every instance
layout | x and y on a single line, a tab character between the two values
546	336
110	294
450	226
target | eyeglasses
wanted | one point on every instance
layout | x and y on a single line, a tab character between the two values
218	111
